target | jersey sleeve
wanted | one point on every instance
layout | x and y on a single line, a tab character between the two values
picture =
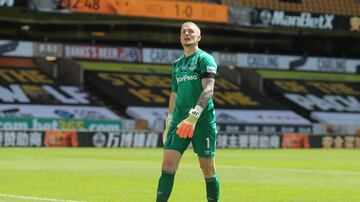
208	66
174	86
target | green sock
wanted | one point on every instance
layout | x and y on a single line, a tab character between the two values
212	188
165	186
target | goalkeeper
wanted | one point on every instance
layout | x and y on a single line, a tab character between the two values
191	115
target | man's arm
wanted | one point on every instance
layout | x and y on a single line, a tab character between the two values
208	91
187	126
170	115
172	102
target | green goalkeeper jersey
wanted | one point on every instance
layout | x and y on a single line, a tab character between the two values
187	73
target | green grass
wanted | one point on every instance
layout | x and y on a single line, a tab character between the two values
302	75
126	67
131	175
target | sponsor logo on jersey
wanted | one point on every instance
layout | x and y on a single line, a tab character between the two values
186	78
211	69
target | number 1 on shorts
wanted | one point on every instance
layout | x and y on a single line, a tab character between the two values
207	143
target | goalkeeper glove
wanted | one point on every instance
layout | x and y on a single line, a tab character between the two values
187	126
167	126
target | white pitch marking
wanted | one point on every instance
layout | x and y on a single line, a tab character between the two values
35	198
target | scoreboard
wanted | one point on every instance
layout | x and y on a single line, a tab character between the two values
205	12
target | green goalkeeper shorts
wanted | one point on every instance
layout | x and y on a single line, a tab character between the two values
203	141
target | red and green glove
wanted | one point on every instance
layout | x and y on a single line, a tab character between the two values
187	126
167	126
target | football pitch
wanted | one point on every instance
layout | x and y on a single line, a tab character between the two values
131	175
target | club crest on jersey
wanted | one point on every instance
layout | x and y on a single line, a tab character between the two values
192	67
183	68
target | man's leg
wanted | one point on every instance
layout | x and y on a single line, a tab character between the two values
207	166
170	164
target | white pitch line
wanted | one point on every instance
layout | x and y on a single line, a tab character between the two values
35	198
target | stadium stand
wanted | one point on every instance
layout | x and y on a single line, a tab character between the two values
317	95
34	100
96	74
147	94
16	62
108	57
339	7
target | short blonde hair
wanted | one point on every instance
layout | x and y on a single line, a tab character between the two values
192	23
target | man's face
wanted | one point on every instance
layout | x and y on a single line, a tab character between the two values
190	35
